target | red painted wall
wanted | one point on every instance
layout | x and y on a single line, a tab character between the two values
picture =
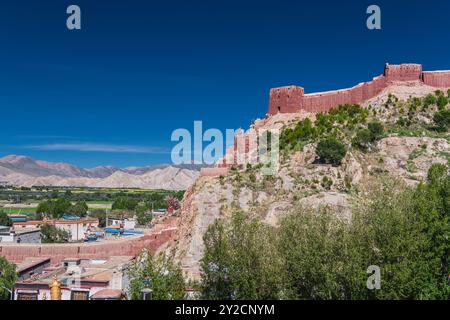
58	252
440	79
292	99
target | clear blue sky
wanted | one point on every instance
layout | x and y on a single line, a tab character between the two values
111	93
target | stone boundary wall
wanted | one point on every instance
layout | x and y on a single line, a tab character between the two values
58	252
292	99
440	79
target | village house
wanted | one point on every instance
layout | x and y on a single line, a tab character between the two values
76	279
78	229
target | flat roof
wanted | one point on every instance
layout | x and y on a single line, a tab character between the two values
31	262
93	271
107	294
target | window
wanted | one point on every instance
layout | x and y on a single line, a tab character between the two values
79	295
27	296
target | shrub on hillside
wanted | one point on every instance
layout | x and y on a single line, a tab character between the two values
331	151
442	101
442	120
376	128
429	100
363	139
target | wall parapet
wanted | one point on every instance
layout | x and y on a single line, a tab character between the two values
292	99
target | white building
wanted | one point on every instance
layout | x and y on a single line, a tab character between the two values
27	235
128	224
76	228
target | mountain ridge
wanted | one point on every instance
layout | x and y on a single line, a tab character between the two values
27	171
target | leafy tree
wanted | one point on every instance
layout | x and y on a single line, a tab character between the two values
100	214
331	150
240	261
8	278
173	203
142	215
125	203
318	260
4	219
51	234
78	209
160	274
54	208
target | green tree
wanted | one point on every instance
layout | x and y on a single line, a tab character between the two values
331	150
241	261
4	219
78	209
8	277
54	208
160	274
125	203
51	234
142	214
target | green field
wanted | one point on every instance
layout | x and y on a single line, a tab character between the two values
27	210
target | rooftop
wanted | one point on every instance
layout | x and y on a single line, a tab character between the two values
92	270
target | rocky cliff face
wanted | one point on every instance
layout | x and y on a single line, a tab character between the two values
406	156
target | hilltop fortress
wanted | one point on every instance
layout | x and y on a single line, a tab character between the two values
292	99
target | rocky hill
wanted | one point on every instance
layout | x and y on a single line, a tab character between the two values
26	171
414	122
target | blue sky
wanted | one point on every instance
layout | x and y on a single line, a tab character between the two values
113	92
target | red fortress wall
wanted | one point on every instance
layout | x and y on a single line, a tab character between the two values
292	99
57	252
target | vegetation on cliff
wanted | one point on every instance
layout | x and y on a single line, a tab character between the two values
317	255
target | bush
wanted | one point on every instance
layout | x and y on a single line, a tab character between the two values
441	101
331	151
429	100
363	139
442	120
376	128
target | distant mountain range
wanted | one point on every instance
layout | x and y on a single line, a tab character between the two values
28	172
